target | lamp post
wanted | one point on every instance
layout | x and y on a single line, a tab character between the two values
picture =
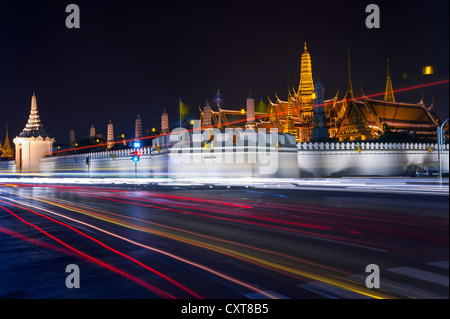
440	139
136	156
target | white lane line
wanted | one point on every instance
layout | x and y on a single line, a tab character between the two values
400	288
258	295
422	275
331	291
440	264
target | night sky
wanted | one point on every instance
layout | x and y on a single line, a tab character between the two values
139	57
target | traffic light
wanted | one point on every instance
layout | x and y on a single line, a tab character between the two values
136	156
136	144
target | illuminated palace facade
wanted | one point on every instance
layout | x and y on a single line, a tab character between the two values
304	111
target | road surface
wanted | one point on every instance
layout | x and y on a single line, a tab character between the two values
221	243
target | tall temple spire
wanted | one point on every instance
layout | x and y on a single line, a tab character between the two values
389	92
306	87
350	89
110	135
92	131
165	123
250	109
207	115
7	150
138	128
72	138
34	127
289	126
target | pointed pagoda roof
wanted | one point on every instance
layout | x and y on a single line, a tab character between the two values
7	150
34	127
389	91
350	88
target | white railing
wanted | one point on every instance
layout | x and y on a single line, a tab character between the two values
368	146
105	154
301	146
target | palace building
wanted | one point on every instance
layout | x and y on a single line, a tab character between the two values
345	119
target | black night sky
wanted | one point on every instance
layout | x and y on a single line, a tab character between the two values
138	57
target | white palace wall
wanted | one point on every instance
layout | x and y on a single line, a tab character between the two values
306	160
368	159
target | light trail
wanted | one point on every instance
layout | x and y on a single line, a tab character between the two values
271	265
209	209
335	239
184	260
77	209
36	241
95	260
109	248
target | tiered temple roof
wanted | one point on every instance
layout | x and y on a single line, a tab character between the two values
34	127
347	119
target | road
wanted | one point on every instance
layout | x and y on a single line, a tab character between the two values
218	243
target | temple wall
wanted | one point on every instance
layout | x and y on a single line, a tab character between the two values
7	167
303	160
173	163
368	159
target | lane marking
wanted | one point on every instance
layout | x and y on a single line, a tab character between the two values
440	264
422	275
258	295
328	291
400	288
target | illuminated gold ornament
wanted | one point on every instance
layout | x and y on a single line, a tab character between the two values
389	91
306	87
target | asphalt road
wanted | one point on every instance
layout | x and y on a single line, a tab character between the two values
221	243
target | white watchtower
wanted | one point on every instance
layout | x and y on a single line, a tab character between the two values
33	143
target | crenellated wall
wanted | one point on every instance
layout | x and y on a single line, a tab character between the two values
368	158
306	160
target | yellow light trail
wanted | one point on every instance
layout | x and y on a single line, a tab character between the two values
219	274
260	261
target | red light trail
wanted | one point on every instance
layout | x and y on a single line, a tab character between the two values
98	242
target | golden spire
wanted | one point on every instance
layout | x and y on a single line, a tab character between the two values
7	150
306	87
389	92
350	89
289	126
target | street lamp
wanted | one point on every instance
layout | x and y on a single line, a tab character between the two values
440	140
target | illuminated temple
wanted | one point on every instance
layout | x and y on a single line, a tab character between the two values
305	114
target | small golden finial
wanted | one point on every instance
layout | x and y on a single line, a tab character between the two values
306	48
